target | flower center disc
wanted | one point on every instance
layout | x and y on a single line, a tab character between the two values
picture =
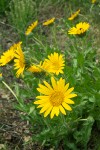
55	65
56	98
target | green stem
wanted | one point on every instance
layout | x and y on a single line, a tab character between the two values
54	36
39	42
8	87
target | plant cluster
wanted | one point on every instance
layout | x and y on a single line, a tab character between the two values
58	116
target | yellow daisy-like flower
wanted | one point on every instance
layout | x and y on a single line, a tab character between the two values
55	98
45	66
16	45
50	21
74	15
93	1
0	75
35	68
19	62
55	63
8	55
31	27
79	29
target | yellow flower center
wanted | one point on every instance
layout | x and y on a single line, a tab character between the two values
80	30
56	98
56	65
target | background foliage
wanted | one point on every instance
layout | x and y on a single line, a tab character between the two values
80	128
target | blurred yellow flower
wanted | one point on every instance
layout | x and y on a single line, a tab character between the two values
50	21
54	63
16	45
19	62
8	55
74	15
45	66
31	27
0	74
35	68
80	28
55	98
93	1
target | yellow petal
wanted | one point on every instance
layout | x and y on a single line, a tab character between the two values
47	111
62	110
68	101
45	108
44	90
53	83
56	110
48	85
40	101
41	105
66	86
61	83
52	113
42	97
71	95
69	91
66	106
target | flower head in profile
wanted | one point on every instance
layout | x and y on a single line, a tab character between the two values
55	63
55	98
45	66
74	15
16	45
93	1
8	55
48	22
35	68
31	27
19	62
79	29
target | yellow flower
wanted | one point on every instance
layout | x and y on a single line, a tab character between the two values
45	66
19	62
54	63
79	29
35	68
93	1
55	98
50	21
0	75
74	15
31	27
16	45
8	55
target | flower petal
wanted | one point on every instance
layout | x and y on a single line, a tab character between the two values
68	101
69	91
47	111
40	101
54	85
56	109
48	85
45	107
66	106
71	95
62	110
52	113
